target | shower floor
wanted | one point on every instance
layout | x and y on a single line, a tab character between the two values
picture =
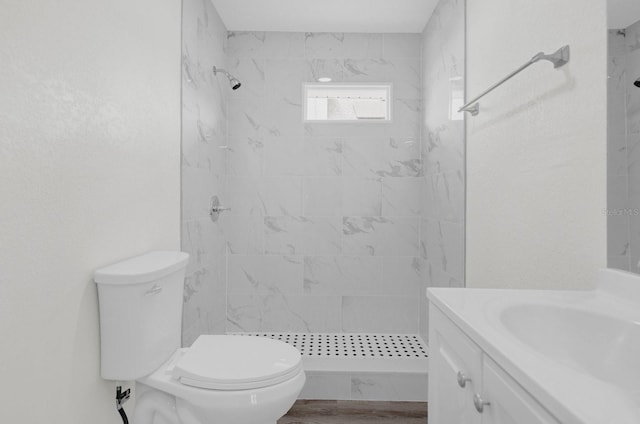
360	366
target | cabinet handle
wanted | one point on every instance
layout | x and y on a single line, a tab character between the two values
479	403
462	379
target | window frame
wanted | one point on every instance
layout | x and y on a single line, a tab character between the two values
388	86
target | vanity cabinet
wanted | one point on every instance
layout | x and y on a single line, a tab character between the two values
467	387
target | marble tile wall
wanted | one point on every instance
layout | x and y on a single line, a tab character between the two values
623	154
403	387
203	168
324	231
443	152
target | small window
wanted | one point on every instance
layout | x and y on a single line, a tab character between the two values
347	102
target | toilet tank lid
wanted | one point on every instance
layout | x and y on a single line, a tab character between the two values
142	269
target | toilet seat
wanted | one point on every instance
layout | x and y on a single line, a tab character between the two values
236	363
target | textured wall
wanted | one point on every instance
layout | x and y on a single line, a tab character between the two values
443	148
623	160
324	229
89	175
203	168
536	153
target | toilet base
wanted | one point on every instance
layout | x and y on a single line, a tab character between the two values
162	400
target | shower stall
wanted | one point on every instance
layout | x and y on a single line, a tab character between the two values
324	235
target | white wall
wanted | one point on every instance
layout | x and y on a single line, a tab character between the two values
536	154
89	174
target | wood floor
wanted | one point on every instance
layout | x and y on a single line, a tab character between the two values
355	412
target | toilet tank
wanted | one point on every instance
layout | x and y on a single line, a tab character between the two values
140	313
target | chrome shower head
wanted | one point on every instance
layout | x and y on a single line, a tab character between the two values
637	83
233	81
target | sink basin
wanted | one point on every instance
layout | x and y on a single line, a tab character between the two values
602	346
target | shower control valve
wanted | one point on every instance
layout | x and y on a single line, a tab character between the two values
215	208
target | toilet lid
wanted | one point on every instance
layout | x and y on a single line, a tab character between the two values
237	363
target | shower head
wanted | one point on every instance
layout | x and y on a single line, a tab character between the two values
637	83
233	81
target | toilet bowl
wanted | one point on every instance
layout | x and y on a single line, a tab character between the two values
222	379
219	379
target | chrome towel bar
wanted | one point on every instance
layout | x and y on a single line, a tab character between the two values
558	58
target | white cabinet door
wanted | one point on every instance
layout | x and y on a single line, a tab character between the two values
508	402
452	355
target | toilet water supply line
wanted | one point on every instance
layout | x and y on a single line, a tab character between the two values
121	398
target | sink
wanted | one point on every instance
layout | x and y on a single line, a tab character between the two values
603	346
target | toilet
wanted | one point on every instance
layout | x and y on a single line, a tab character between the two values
222	379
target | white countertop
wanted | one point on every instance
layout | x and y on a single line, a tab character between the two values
569	393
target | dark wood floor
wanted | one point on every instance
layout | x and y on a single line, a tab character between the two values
355	412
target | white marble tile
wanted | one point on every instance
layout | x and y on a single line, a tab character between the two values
619	262
324	68
380	314
342	275
197	188
201	143
617	155
283	235
402	275
361	196
298	235
203	240
427	196
247	118
264	274
424	318
434	248
320	386
283	117
443	148
616	42
251	73
284	78
453	246
405	121
448	195
265	44
401	196
203	166
632	39
244	234
633	94
321	196
436	276
380	236
244	157
389	387
617	88
285	156
323	156
265	196
633	172
204	302
401	45
618	235
342	45
617	192
347	130
634	236
381	157
277	312
402	73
